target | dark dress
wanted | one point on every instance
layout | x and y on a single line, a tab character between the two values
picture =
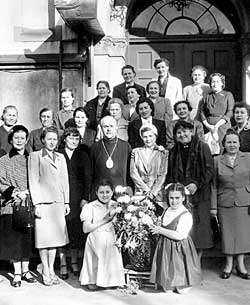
91	110
216	106
118	174
79	170
134	138
194	164
175	262
4	139
244	138
14	245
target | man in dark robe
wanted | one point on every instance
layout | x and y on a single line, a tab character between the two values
110	156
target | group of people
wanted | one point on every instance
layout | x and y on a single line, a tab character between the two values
153	141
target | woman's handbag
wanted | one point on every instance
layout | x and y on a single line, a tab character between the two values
215	229
23	215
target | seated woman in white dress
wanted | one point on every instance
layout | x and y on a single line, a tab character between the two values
148	167
102	262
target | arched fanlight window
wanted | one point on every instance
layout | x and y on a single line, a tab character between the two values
181	17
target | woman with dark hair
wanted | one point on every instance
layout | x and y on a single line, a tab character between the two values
230	200
129	113
195	92
163	108
49	189
183	110
79	171
102	262
97	107
190	163
145	110
216	108
241	118
16	244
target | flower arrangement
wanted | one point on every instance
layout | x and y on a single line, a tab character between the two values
134	215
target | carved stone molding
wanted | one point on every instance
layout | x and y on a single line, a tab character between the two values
111	46
118	13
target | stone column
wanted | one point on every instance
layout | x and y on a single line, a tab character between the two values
245	47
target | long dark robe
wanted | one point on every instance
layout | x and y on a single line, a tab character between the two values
118	173
199	170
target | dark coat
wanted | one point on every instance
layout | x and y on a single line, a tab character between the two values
200	171
120	92
79	171
134	138
91	108
35	142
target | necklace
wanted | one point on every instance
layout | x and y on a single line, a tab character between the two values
109	162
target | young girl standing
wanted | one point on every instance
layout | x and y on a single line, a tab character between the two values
102	262
175	265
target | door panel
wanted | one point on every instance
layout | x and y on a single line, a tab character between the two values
216	56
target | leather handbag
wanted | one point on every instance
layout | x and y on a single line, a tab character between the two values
23	215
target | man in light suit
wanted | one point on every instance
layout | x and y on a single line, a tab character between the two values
170	86
128	74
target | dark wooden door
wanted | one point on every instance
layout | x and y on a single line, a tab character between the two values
216	56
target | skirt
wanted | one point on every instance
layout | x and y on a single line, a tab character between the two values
175	264
50	228
235	230
14	245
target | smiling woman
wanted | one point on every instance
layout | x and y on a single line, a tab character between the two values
190	163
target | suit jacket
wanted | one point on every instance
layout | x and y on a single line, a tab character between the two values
148	175
126	113
231	184
35	142
48	179
134	138
91	108
163	110
120	92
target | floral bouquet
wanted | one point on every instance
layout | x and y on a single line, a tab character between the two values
134	216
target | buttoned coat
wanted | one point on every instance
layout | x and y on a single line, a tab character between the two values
231	183
48	178
148	175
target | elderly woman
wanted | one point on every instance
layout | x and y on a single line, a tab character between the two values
241	118
230	199
190	163
145	110
49	188
129	112
16	244
163	108
195	92
183	110
216	108
98	106
148	166
46	119
79	171
9	118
